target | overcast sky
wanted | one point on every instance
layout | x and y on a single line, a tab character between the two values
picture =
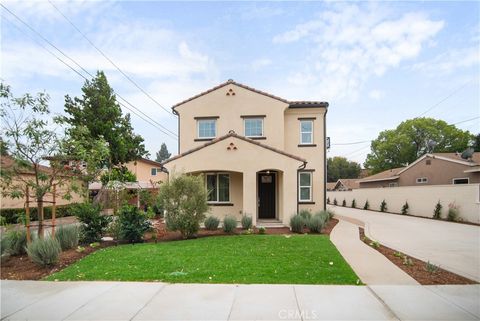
377	64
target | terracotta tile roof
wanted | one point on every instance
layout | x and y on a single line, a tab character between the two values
350	183
233	134
292	104
385	175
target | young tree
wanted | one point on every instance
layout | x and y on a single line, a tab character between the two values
412	139
30	136
163	153
340	167
99	113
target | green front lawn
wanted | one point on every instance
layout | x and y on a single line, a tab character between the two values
299	259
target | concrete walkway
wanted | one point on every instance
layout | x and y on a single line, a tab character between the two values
38	300
454	247
371	266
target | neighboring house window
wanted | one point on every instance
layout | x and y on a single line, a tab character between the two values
393	185
253	127
306	132
305	186
218	188
207	128
155	170
461	180
422	180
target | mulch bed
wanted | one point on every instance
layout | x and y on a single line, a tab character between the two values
22	268
417	268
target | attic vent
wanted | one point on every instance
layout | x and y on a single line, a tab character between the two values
230	92
428	162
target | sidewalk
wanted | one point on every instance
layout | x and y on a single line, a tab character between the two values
38	300
371	266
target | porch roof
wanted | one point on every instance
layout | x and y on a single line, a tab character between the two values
233	134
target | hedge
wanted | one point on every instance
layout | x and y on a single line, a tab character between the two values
11	215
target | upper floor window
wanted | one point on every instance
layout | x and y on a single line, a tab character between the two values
422	180
207	128
305	186
306	132
218	187
253	127
154	171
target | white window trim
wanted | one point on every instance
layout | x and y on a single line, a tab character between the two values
245	127
301	137
467	178
309	186
198	128
421	180
218	189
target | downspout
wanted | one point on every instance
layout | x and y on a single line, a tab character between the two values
178	130
300	168
325	159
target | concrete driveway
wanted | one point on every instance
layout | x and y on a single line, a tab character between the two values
453	246
39	300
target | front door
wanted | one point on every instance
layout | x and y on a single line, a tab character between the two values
266	196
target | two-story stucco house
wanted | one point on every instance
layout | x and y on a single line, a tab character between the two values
260	154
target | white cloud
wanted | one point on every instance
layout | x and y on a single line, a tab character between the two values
450	61
261	63
349	44
376	94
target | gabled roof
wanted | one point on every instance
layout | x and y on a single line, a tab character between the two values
449	157
7	162
149	161
331	186
233	134
389	174
350	183
292	104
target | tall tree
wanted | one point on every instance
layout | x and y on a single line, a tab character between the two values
99	112
476	143
163	153
412	139
340	167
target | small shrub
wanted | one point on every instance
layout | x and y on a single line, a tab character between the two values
248	232
431	268
437	212
383	206
261	230
3	221
17	241
407	261
452	214
328	200
375	244
229	224
93	223
324	216
133	224
335	202
211	223
4	248
354	203
305	214
67	236
405	208
44	251
94	244
297	222
316	223
366	206
80	249
246	222
114	228
397	254
330	214
344	203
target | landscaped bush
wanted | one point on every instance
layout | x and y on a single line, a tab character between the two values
67	236
44	251
4	247
93	223
297	222
211	223
330	214
405	208
318	221
184	199
133	224
16	241
16	215
328	200
335	202
383	206
246	222
354	203
437	212
452	214
366	206
344	203
229	224
324	215
305	214
262	230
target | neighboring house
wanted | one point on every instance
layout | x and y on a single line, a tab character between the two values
331	186
430	169
28	175
345	184
260	154
149	173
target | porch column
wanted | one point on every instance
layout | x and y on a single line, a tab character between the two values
250	195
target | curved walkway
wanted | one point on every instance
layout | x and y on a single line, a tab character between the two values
454	247
371	266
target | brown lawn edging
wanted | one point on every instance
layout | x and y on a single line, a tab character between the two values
416	268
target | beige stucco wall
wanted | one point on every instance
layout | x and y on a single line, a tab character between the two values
143	172
229	109
247	159
236	199
421	199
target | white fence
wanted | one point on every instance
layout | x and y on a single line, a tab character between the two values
421	199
